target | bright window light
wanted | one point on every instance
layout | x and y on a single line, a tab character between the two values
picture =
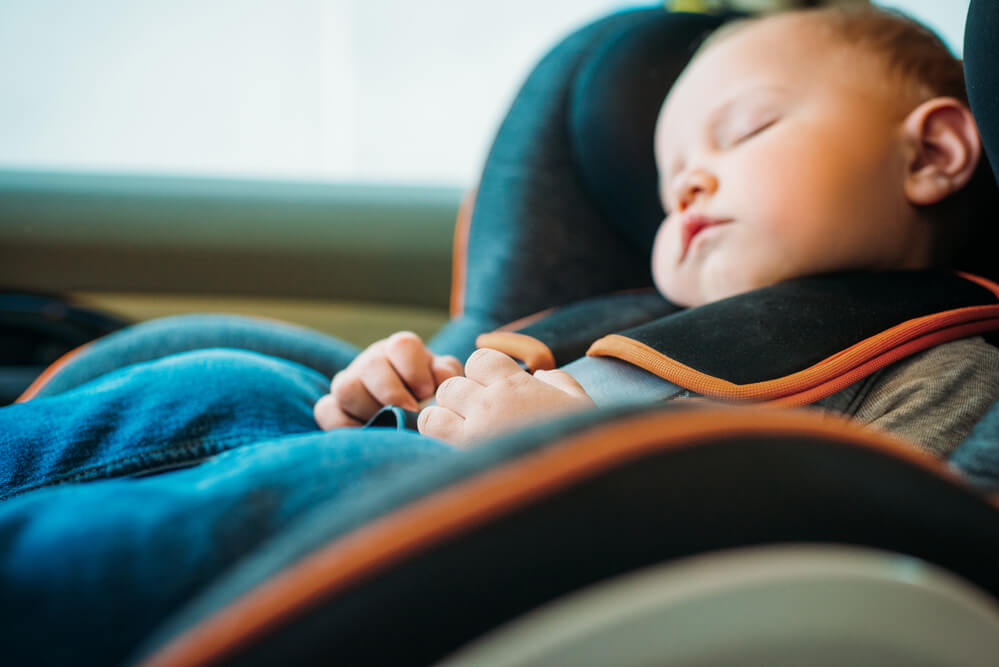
344	90
338	90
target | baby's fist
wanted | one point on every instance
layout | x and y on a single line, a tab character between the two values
497	395
398	370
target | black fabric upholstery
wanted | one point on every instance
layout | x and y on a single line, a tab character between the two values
725	492
569	331
978	456
981	51
750	337
981	47
764	334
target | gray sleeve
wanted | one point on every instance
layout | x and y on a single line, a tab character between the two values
934	398
610	381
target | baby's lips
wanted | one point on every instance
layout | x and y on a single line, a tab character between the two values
692	224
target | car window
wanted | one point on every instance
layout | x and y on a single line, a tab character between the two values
344	90
334	90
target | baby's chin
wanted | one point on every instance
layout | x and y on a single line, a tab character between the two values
681	295
690	294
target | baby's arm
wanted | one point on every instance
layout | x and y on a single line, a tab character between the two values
496	395
398	370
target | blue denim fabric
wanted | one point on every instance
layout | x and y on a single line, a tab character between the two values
173	411
87	570
182	333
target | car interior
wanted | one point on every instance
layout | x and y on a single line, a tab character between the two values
628	535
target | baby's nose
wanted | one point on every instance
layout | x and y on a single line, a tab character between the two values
695	183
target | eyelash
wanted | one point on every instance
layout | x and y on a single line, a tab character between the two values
758	128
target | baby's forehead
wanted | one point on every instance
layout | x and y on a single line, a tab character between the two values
781	45
795	53
788	58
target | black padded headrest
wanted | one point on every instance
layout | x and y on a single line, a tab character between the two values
981	48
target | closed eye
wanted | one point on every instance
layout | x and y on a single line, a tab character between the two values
756	129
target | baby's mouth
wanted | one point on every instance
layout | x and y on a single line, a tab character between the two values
693	224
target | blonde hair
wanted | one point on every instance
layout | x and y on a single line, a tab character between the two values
906	48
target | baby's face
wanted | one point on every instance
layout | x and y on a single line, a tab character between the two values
781	155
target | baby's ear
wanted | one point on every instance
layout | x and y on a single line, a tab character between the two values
946	147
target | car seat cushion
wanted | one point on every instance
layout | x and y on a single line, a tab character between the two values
797	341
485	537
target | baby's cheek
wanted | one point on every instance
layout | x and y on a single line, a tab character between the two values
661	263
771	263
741	265
722	277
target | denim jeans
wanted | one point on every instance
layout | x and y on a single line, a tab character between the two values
161	337
127	494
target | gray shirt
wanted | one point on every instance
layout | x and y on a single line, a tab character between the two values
932	399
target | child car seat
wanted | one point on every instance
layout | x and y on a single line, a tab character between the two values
630	534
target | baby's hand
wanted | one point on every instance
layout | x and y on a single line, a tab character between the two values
398	370
496	395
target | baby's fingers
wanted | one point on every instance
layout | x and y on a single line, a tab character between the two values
352	396
561	380
385	386
441	423
329	415
444	367
487	366
411	360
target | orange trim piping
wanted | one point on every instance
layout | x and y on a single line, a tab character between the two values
459	252
886	359
387	540
984	282
531	351
930	328
50	373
